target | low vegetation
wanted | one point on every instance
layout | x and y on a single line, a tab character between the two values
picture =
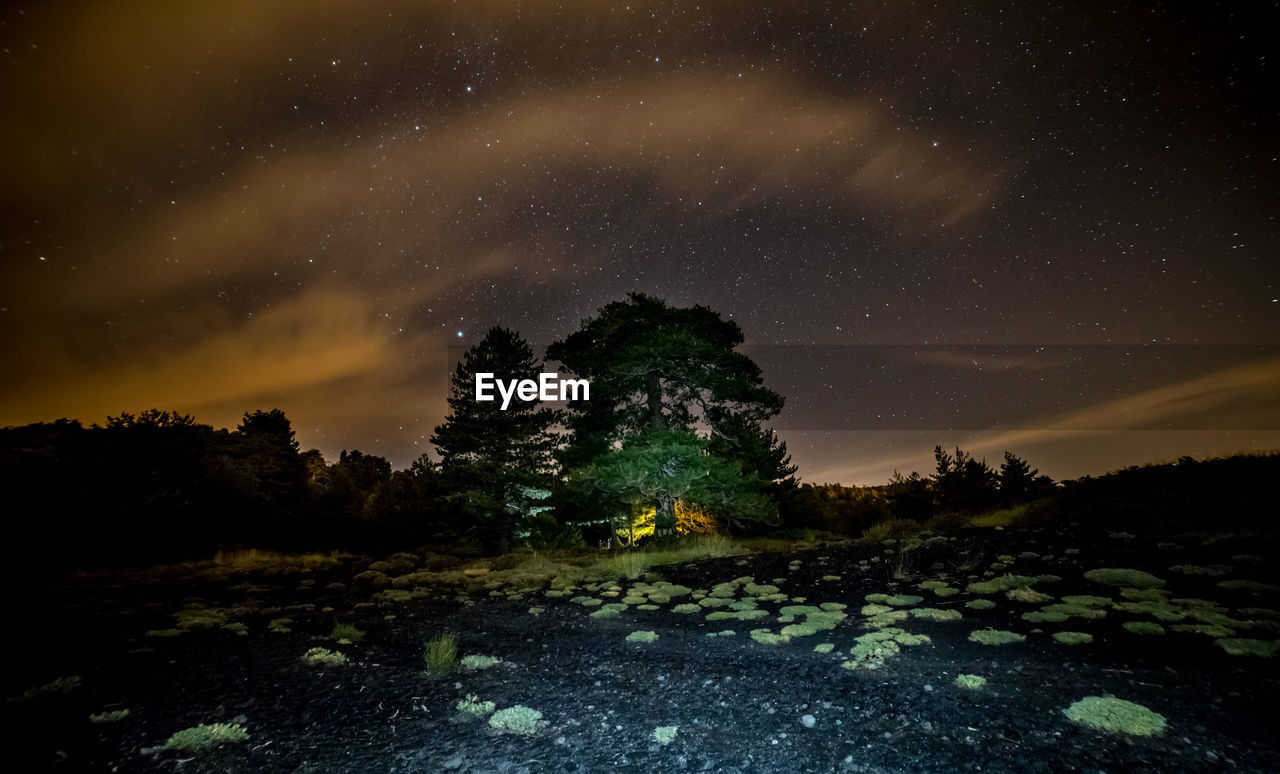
1117	716
440	654
324	657
516	720
205	737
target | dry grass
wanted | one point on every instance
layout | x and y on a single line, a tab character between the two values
1005	517
893	528
255	559
633	564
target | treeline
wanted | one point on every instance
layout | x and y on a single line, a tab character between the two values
960	485
671	440
159	486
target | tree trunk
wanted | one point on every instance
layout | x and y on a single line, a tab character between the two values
664	521
655	402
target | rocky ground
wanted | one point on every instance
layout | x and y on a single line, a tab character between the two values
737	666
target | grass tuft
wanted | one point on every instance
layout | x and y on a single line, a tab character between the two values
346	633
324	657
203	738
440	654
115	716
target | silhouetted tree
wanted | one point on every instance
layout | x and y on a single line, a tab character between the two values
491	458
962	482
264	458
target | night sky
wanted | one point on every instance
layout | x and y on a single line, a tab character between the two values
220	207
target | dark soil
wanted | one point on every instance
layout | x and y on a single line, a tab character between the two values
740	706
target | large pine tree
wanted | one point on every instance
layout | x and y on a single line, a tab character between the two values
491	460
653	369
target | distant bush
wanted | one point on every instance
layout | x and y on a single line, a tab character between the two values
971	682
665	735
114	716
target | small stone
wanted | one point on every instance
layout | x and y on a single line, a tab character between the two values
928	688
808	721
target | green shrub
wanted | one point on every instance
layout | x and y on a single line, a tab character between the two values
642	636
280	625
1043	617
1248	586
472	705
971	682
1116	716
665	735
1247	647
995	637
440	654
476	662
203	738
115	716
1074	611
1001	583
741	615
346	633
1086	601
766	637
324	657
825	647
1072	638
936	614
1027	595
516	720
166	632
1143	627
60	685
979	604
1112	576
686	609
902	600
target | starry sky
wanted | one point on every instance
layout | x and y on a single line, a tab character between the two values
1049	227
